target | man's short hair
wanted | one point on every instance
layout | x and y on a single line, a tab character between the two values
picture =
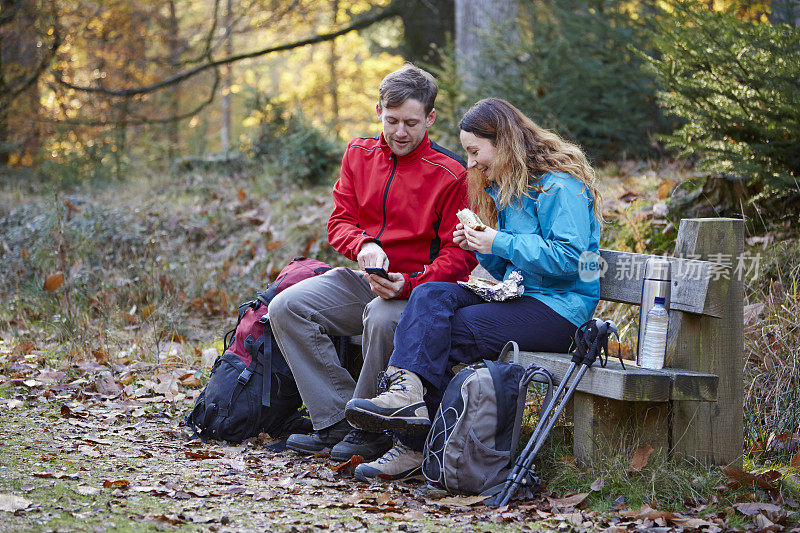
408	82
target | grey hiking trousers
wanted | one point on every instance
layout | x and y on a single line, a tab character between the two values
338	302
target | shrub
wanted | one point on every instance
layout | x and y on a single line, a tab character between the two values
734	84
296	149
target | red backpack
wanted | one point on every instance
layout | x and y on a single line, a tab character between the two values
235	406
251	314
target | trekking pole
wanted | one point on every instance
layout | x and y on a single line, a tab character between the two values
590	339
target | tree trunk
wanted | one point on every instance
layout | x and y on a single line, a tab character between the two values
19	60
427	26
227	81
476	24
333	85
173	131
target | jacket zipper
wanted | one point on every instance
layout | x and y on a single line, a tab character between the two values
385	196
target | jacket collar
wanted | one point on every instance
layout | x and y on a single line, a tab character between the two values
408	158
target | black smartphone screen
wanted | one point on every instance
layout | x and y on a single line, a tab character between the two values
378	272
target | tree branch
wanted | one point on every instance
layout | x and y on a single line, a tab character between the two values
358	25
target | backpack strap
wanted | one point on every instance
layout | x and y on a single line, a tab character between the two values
264	350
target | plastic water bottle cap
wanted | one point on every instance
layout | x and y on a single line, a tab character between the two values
659	300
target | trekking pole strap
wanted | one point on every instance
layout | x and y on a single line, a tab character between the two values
530	373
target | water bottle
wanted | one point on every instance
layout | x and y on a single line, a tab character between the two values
655	336
657	275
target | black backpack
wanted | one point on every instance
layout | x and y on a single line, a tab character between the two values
251	389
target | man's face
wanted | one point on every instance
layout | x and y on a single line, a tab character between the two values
404	126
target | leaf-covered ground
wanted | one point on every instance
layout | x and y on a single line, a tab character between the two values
94	447
114	303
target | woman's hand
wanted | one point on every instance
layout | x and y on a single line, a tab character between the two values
478	241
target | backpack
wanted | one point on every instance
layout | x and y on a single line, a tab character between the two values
251	389
471	444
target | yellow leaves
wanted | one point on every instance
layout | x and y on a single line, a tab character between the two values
250	121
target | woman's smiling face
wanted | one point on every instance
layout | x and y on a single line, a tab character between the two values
480	152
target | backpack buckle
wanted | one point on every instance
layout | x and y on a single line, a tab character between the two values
244	377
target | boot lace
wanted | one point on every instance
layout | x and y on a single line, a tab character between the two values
396	381
355	437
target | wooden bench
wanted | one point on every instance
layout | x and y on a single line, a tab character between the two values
694	406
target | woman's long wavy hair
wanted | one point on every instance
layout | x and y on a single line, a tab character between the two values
525	151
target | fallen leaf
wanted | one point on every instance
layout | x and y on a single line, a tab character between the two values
597	484
117	483
751	313
763	523
53	281
348	467
55	475
569	501
66	412
104	384
647	512
191	382
692	523
10	503
101	355
753	508
640	457
739	477
71	206
795	462
240	194
210	454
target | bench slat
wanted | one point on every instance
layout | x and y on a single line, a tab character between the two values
633	383
693	288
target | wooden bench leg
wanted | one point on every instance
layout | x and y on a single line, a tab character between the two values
602	425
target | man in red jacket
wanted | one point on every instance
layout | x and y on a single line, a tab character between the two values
395	207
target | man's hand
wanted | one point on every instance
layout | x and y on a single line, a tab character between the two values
385	288
372	255
459	238
478	241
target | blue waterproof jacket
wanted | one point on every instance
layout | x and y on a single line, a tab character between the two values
543	236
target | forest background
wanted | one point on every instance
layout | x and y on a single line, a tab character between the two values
162	160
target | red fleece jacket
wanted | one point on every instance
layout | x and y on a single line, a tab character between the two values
407	205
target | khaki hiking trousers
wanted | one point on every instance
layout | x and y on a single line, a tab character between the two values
338	302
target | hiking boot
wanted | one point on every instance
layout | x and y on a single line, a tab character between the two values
368	445
401	462
399	408
319	441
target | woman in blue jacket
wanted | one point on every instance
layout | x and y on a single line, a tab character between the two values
539	191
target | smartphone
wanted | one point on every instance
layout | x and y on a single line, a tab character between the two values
378	272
